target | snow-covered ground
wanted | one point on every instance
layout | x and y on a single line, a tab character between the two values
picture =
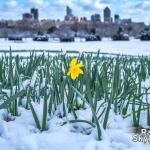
133	47
21	134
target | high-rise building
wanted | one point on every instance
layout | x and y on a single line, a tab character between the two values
107	15
96	18
27	16
116	18
69	14
35	13
69	11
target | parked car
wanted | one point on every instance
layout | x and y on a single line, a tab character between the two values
120	37
15	38
92	38
145	35
66	39
40	37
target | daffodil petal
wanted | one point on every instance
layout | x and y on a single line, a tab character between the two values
69	72
80	71
73	62
79	65
73	76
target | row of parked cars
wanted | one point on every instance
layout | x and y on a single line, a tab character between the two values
43	37
144	36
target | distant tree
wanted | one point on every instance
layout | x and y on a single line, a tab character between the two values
4	33
120	30
129	29
75	27
93	31
51	29
40	33
146	29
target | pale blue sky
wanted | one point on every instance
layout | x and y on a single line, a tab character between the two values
138	10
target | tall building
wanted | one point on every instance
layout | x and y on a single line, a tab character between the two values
69	11
117	19
27	16
107	15
69	14
35	13
96	18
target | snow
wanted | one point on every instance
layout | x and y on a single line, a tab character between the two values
24	136
33	79
132	47
21	134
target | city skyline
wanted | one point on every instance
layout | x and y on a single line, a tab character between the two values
138	10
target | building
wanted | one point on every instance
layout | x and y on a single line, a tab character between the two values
69	11
126	21
69	14
107	15
111	20
96	18
116	19
92	17
35	14
83	19
27	16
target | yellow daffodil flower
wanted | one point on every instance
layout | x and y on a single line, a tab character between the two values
75	69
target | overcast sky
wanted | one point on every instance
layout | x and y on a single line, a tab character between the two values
138	10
